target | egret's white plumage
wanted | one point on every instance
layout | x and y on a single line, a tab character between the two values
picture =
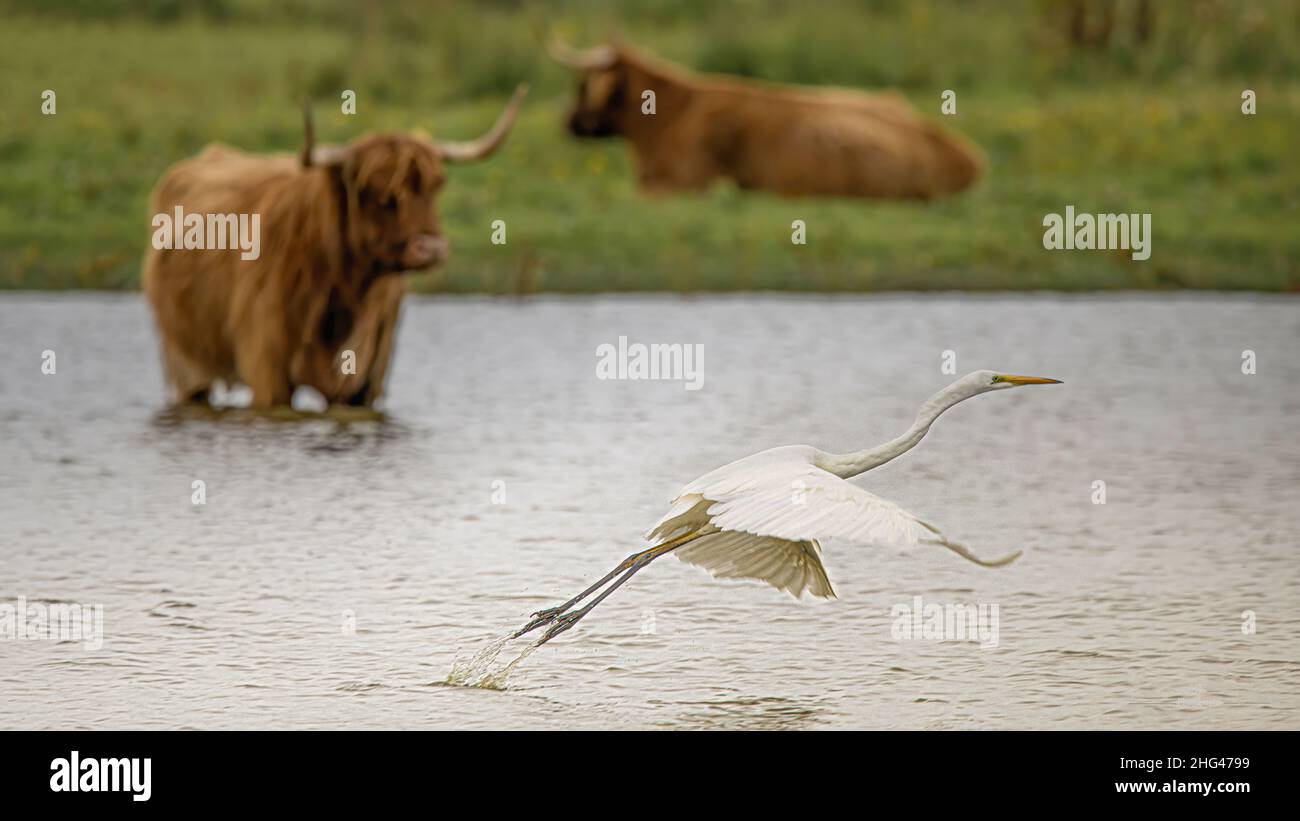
792	566
772	510
765	516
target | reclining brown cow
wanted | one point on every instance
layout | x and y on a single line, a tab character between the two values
339	224
790	140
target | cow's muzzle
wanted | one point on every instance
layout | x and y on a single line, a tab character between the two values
586	124
425	251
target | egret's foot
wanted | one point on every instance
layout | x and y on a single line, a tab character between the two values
551	612
562	623
539	618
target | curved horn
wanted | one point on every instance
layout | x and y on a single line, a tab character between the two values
489	142
312	154
308	134
596	57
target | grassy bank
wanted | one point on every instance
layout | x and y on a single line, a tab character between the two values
1131	127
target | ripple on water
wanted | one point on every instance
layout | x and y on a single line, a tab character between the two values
341	555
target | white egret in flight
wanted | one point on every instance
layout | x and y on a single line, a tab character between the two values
764	516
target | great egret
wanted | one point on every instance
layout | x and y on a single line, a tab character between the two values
763	516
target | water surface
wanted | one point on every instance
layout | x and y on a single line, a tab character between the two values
341	567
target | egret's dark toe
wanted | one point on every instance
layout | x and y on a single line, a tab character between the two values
540	618
562	623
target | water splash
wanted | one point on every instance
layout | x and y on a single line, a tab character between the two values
497	680
477	672
473	672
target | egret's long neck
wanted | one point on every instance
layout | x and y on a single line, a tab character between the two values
851	464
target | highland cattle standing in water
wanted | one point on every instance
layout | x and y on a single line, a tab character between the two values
317	303
789	140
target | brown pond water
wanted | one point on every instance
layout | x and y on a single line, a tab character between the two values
342	566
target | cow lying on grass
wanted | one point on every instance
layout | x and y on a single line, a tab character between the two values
318	305
790	140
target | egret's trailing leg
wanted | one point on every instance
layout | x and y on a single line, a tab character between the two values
550	614
565	621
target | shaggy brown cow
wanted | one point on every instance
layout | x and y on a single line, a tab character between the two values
790	140
339	224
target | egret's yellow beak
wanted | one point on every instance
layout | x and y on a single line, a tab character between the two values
1027	380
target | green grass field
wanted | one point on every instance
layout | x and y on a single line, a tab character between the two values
1152	127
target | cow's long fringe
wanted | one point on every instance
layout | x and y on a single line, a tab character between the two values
318	288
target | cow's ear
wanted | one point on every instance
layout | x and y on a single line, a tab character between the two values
329	156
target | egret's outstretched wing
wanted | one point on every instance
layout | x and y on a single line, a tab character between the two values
815	504
780	514
797	502
786	565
